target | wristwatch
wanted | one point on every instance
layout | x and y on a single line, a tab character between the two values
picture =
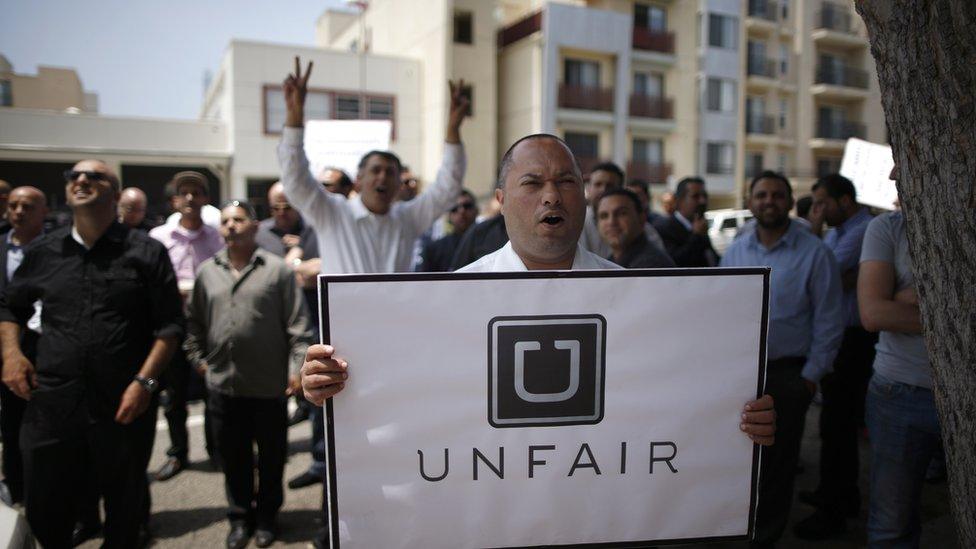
148	383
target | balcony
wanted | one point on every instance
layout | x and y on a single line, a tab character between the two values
520	29
844	129
649	106
585	97
834	26
718	168
652	40
757	66
840	83
760	125
654	174
762	9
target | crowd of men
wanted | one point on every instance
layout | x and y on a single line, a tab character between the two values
102	315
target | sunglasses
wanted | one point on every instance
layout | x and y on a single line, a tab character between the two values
463	206
72	175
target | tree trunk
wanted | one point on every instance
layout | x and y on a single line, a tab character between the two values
925	52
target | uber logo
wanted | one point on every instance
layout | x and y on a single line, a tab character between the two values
546	370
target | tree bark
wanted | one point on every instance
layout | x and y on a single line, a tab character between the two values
925	52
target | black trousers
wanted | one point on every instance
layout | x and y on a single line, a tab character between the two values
240	423
778	470
11	415
842	414
59	474
176	384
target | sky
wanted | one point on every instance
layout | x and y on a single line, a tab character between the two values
146	57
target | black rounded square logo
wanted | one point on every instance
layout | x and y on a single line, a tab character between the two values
546	370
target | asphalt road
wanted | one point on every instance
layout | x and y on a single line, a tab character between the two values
188	510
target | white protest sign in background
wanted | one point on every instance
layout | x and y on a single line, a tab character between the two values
426	352
868	166
341	143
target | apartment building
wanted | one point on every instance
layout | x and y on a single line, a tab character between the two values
810	84
53	88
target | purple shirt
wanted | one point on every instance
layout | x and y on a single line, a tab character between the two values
188	249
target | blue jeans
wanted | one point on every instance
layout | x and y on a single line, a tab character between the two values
316	418
904	429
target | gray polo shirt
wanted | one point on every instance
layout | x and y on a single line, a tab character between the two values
900	357
251	329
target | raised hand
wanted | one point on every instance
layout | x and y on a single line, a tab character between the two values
295	87
459	109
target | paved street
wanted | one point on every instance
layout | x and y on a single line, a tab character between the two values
188	511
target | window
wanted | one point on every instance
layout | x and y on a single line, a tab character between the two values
463	27
718	158
827	166
650	84
583	145
722	31
784	111
831	122
784	59
653	18
755	115
781	163
721	95
647	151
585	74
347	107
784	9
326	105
7	96
754	164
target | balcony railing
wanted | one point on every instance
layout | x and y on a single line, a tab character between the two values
841	76
649	106
718	168
758	66
584	97
647	39
764	125
520	29
827	129
762	9
834	17
654	174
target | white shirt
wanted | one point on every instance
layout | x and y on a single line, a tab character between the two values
351	238
506	260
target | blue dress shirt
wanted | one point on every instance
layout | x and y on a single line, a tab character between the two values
845	243
805	314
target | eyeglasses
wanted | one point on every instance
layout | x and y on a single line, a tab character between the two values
464	206
72	175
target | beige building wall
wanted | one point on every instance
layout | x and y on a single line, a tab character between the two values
51	88
519	91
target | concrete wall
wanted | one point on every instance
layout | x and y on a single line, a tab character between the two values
52	88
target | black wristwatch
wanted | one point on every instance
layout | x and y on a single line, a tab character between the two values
148	383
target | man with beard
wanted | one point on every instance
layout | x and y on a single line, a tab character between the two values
620	218
806	324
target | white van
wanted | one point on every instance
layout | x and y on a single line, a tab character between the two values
723	225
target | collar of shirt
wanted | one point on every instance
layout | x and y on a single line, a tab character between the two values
222	259
862	216
114	233
682	219
508	260
179	232
358	209
788	238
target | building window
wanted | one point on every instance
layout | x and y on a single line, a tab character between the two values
647	151
756	115
6	94
326	105
586	146
754	164
784	111
784	9
653	18
718	158
722	31
784	59
463	27
721	95
781	163
649	84
585	74
827	166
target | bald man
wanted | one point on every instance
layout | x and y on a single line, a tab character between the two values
26	209
132	209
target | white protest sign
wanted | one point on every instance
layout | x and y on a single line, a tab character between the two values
341	143
868	166
528	409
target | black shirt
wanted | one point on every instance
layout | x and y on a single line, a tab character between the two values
643	255
102	309
478	241
436	257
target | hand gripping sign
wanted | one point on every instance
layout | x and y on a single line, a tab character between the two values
541	408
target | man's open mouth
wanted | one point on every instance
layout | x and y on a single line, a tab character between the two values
552	220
